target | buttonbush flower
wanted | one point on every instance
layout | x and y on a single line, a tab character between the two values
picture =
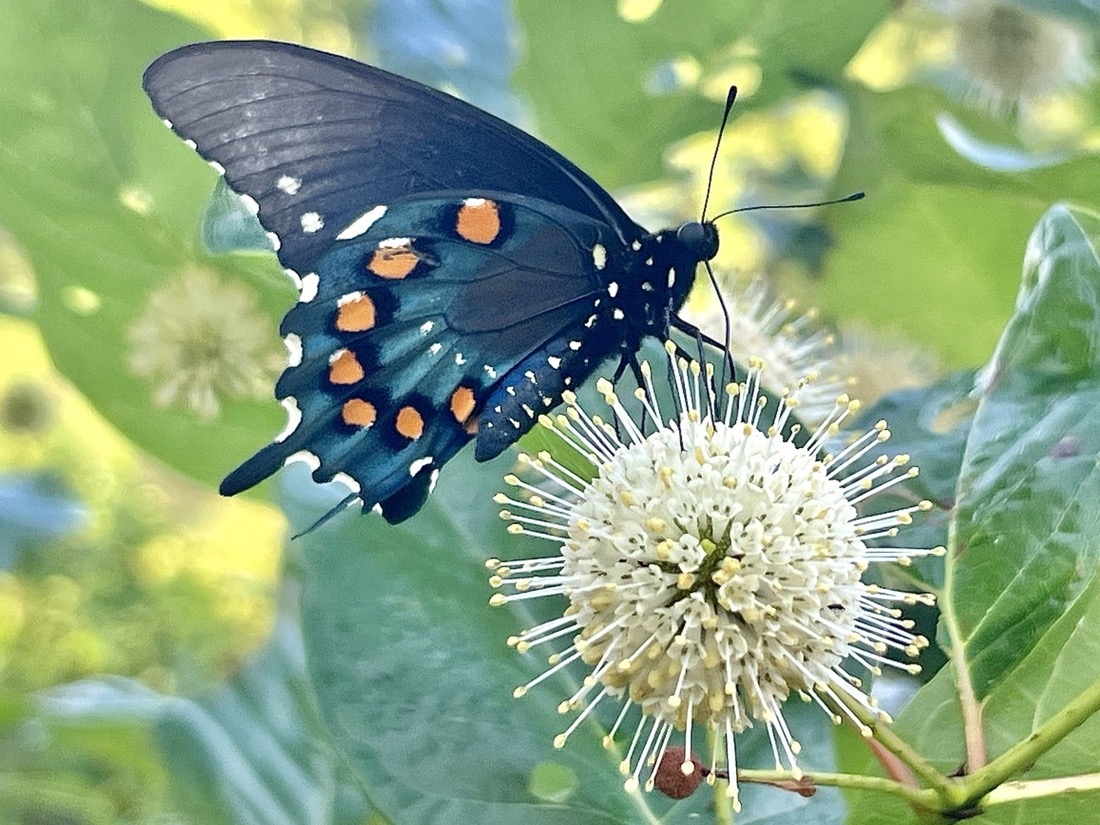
199	341
712	567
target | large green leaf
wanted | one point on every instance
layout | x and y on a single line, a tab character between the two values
107	204
594	78
1064	662
1028	519
1021	598
932	248
410	668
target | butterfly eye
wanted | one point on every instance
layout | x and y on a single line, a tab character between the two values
699	238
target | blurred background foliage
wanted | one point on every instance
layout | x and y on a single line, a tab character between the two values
964	121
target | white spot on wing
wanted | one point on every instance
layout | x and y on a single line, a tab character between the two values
435	348
492	373
599	256
361	224
310	283
294	349
190	144
349	298
528	410
613	289
671	277
618	313
312	222
427	327
432	481
554	362
420	464
293	419
250	204
217	167
574	345
510	390
347	481
395	243
636	245
460	359
294	276
289	186
275	242
305	457
474	202
167	122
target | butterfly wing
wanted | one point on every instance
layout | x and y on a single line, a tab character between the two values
315	140
406	330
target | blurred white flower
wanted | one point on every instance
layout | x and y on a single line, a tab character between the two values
792	344
1012	57
199	342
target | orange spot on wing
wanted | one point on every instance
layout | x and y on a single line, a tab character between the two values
478	221
344	368
359	413
410	423
355	313
393	262
462	403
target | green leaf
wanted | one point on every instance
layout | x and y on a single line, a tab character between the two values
1061	665
604	88
1021	585
1027	530
107	204
410	668
928	250
415	681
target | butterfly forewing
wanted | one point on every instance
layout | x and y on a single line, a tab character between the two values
316	140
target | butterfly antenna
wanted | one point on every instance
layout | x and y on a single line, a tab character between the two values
731	96
855	196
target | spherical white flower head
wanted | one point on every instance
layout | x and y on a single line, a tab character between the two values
200	341
1013	57
712	567
792	343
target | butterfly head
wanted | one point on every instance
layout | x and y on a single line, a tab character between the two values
700	240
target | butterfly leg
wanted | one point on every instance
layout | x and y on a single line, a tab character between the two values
694	331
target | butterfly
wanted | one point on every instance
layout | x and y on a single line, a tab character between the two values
455	275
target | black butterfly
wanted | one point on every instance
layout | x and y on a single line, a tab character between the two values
456	275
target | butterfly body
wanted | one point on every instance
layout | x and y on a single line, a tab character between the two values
455	275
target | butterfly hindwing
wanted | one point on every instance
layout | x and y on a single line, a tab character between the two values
398	340
314	140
